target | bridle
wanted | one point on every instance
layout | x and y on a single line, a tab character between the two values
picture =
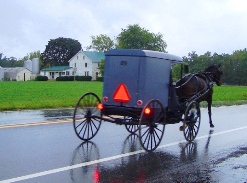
211	77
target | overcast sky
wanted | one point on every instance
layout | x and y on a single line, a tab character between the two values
186	25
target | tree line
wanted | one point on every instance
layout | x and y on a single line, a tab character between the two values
59	51
14	62
233	66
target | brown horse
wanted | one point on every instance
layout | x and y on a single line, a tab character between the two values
199	86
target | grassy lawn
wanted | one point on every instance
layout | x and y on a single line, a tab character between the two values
34	95
229	95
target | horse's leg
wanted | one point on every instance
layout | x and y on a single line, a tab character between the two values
210	113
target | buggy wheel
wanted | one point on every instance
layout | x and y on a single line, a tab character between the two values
87	117
192	120
131	128
151	125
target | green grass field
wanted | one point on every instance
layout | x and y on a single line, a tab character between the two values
229	95
34	94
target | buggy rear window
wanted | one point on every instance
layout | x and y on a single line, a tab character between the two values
123	63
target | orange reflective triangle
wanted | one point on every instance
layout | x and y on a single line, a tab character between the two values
121	94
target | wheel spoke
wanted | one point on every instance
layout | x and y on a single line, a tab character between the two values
83	122
148	140
84	129
146	135
132	127
91	127
157	135
93	124
158	129
154	138
158	118
151	137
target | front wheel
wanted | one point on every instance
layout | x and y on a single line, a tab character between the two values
131	128
87	117
151	125
192	120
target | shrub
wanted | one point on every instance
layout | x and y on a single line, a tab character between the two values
65	78
83	78
72	78
99	79
41	78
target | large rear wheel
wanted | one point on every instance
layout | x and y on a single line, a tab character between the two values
87	117
192	120
151	125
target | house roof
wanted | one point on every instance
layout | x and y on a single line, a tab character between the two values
56	68
13	69
94	56
11	72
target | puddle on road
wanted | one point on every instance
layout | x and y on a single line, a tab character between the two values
234	162
28	116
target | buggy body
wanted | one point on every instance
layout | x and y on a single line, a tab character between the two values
145	74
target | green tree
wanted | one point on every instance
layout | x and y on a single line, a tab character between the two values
101	67
233	66
176	72
30	56
101	43
135	37
239	67
59	51
8	62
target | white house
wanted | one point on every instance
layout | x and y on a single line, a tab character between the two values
1	74
84	63
16	73
57	71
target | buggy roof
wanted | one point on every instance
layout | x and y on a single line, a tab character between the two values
144	53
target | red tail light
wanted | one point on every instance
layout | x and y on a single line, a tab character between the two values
100	106
147	111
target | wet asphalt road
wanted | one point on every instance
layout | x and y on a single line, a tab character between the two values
51	152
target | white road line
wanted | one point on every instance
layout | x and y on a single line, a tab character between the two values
48	172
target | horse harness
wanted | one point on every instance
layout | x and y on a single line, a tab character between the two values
206	76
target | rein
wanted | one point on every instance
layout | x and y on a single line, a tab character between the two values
203	75
211	77
192	75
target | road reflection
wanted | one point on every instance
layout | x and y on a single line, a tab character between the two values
39	115
85	152
141	167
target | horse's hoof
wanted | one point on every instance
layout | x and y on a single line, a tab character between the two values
181	128
211	125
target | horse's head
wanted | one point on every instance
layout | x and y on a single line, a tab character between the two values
214	73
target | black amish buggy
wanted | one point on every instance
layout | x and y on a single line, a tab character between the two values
139	93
